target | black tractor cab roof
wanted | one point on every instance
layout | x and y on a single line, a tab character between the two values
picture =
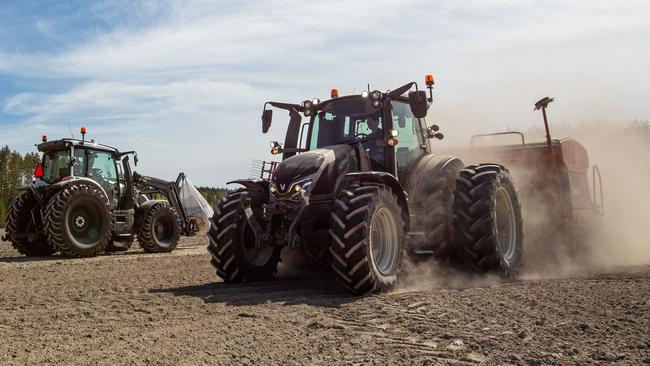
63	144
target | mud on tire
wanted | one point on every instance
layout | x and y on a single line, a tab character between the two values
368	238
160	230
232	241
487	220
21	230
78	222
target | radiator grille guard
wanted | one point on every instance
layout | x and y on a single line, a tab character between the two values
261	169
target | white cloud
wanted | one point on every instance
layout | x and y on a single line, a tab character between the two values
191	82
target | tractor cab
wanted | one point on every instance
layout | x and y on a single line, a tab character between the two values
376	131
71	159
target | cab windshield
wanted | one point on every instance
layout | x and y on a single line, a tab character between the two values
346	121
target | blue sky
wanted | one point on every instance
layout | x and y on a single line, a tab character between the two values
184	82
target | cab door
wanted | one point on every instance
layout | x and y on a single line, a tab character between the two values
411	145
103	170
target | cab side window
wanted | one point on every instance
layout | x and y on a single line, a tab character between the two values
80	162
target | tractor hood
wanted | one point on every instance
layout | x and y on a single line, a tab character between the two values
316	169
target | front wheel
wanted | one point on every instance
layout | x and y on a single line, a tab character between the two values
160	230
368	236
487	220
232	241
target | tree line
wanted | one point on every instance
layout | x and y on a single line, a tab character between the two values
16	171
213	195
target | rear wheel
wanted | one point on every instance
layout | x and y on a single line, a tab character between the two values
160	230
77	221
367	238
232	241
487	220
438	208
21	228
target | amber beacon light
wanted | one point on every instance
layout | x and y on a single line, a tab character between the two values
428	79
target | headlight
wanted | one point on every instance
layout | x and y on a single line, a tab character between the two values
293	189
301	185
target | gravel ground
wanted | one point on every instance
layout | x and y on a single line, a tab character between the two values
139	308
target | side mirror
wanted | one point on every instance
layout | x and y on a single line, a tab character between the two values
267	116
418	103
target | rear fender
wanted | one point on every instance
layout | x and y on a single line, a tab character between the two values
260	185
73	181
383	178
427	169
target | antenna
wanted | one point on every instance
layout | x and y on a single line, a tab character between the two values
71	134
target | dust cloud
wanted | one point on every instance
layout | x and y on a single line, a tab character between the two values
622	152
619	238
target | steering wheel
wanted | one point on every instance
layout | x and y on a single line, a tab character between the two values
361	135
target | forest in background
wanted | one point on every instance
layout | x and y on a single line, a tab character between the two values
16	171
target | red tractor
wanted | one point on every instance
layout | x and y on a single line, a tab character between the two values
552	179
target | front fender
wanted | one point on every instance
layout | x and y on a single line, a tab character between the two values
384	178
261	185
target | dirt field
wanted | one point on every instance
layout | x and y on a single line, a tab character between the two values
170	309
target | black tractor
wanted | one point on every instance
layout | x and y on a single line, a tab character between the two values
85	199
359	187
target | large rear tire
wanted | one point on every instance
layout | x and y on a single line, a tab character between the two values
487	220
439	229
368	238
78	222
232	241
160	229
22	231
